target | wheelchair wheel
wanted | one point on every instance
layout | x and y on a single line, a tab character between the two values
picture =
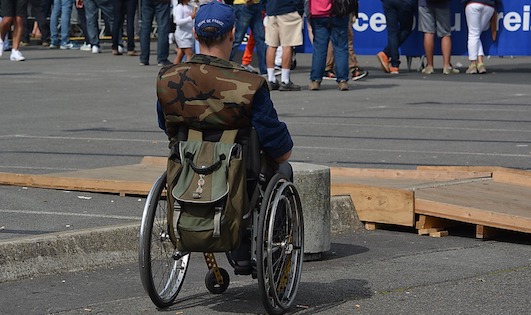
212	284
280	245
162	268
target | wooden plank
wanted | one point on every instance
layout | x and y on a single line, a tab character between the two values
439	234
489	196
380	205
428	231
473	215
484	232
522	178
154	160
458	168
427	222
406	174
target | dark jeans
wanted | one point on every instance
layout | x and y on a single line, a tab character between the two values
40	9
250	16
160	11
82	21
326	29
121	8
399	15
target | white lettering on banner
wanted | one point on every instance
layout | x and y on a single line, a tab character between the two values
376	22
511	21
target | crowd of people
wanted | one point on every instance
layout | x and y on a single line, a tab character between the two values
275	25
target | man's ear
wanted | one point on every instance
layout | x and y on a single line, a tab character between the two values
231	37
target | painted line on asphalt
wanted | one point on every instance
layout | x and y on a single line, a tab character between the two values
405	126
415	151
104	216
79	138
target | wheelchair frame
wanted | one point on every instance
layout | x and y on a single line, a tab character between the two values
277	247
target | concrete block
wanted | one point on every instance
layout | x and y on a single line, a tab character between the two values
313	183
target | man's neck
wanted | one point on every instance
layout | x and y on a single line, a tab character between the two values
215	51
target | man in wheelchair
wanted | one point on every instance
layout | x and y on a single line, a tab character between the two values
209	93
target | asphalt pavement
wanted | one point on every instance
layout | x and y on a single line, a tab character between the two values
70	110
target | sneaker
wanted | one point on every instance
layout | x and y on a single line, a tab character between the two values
472	69
481	68
143	63
314	85
54	46
358	73
116	52
85	47
70	46
250	68
243	268
394	70
427	70
16	55
45	44
450	70
96	49
273	85
121	49
342	85
164	63
384	61
329	75
290	86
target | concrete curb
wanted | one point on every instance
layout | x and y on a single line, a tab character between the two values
107	246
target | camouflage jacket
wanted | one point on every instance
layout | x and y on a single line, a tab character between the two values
206	93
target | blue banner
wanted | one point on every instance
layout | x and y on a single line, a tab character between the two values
513	34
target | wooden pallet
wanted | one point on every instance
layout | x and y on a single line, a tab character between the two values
124	180
431	199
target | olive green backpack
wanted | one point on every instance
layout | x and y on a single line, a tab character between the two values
208	193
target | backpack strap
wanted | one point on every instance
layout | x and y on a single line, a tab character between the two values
228	136
194	135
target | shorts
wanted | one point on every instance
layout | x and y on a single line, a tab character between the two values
12	8
284	30
187	42
432	20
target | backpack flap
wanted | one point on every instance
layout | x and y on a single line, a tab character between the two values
207	218
203	179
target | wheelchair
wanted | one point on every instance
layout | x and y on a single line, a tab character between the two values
277	241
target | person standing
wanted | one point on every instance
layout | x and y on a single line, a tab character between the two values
40	9
478	15
12	13
326	28
183	16
399	15
92	8
159	10
435	19
249	14
284	28
121	8
61	8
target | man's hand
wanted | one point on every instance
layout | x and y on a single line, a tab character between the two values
79	4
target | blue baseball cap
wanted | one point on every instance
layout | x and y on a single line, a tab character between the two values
214	14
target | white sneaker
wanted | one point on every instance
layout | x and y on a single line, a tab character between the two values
16	55
121	49
96	49
85	47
